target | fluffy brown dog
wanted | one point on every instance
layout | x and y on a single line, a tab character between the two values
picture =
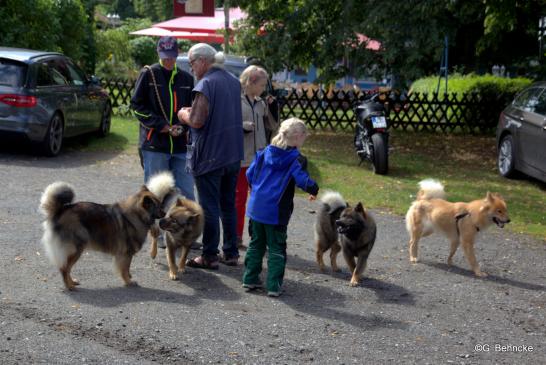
460	222
326	235
117	229
183	223
357	232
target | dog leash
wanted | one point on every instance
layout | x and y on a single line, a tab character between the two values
157	93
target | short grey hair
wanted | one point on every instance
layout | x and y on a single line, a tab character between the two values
208	53
251	75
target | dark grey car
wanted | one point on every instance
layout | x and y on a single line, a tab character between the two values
45	97
521	134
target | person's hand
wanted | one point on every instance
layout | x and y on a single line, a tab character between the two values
184	114
270	98
312	198
248	126
176	130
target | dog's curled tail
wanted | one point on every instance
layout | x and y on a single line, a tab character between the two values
55	197
161	184
333	200
430	189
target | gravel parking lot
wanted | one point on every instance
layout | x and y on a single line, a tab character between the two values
427	313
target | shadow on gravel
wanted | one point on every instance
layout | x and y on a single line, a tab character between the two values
325	303
113	297
490	277
386	292
209	286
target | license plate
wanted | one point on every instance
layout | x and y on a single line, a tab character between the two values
379	122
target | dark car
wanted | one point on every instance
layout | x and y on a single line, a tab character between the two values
45	97
521	134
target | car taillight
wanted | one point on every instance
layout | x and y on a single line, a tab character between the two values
22	101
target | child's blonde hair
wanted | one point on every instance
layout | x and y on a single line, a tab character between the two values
289	129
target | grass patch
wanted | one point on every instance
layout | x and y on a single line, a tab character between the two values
464	164
123	136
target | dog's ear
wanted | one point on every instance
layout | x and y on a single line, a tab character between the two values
328	208
144	188
489	197
179	202
360	209
497	196
148	203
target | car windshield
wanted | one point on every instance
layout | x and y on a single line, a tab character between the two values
12	73
540	108
528	99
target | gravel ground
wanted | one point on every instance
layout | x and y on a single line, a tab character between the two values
426	313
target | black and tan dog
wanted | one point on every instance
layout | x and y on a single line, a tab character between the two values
118	229
357	231
326	235
182	224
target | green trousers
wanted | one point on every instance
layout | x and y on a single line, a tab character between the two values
272	238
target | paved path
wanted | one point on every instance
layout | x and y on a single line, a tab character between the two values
425	313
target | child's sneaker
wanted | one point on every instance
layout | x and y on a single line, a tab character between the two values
274	294
252	287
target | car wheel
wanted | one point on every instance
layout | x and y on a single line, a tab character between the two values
106	121
506	157
53	141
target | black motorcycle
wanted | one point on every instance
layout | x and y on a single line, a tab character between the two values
371	135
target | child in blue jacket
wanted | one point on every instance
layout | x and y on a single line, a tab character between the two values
272	178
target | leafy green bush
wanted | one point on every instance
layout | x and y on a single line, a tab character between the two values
143	50
471	83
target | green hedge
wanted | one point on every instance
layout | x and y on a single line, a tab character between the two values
461	84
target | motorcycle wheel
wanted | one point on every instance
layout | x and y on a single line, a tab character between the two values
380	160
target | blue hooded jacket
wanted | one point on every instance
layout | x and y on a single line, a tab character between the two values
272	177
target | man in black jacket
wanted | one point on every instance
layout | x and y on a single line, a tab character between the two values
160	91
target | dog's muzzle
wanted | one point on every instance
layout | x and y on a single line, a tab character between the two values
500	223
341	228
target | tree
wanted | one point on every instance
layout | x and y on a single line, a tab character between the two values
156	10
49	25
303	32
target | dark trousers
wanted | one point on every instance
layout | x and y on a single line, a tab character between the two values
272	238
216	194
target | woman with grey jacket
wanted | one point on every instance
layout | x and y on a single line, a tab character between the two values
256	120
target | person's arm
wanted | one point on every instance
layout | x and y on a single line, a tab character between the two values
141	106
303	180
195	116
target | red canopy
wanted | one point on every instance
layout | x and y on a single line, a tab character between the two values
194	36
202	24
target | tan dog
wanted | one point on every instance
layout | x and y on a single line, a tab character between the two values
183	224
460	222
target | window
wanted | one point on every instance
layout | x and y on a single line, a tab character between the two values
540	108
12	73
48	75
528	99
76	75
